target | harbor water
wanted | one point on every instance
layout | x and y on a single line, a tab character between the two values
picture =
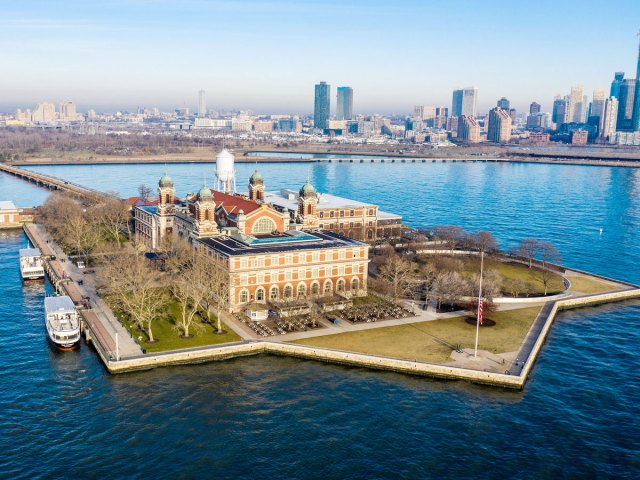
62	415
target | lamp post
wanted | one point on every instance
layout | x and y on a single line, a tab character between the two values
475	353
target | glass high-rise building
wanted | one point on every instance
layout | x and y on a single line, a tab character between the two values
322	106
344	106
626	101
464	102
504	104
615	85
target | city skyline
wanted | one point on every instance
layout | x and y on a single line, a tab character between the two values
120	55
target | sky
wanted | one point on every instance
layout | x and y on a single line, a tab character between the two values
266	56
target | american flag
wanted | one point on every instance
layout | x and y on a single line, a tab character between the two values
480	309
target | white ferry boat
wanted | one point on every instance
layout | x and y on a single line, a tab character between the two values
31	264
62	321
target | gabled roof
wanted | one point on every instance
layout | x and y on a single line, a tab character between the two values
232	204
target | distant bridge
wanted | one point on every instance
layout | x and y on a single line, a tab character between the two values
51	182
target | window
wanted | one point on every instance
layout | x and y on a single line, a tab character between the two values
260	295
288	291
288	259
341	254
371	211
244	296
340	285
273	293
327	286
352	213
321	226
331	214
370	234
264	225
244	279
342	213
321	214
243	263
316	256
315	288
288	275
302	290
355	284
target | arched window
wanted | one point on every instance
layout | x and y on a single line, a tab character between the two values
327	287
355	284
340	285
244	296
260	294
288	291
273	293
302	290
315	288
370	234
264	225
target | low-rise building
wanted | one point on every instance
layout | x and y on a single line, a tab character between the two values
9	215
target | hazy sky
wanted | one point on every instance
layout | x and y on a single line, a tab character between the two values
267	55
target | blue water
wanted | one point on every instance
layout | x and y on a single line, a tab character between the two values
61	415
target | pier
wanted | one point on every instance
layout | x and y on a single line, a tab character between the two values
98	324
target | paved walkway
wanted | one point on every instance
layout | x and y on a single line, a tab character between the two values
127	347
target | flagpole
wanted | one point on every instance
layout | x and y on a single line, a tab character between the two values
475	354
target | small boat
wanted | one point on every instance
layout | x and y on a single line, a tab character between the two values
62	321
31	264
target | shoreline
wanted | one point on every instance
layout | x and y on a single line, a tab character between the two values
353	157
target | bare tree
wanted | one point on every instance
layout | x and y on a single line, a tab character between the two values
528	249
144	191
448	288
188	295
449	234
136	288
113	216
491	284
398	274
548	253
214	284
516	286
484	242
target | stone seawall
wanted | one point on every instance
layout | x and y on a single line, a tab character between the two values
207	354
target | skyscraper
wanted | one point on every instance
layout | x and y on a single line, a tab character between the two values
322	106
559	115
464	102
504	104
202	104
615	85
500	122
576	109
468	129
344	106
609	118
68	110
626	97
636	103
597	106
440	119
534	108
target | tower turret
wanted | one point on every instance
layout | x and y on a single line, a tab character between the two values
166	195
308	205
256	187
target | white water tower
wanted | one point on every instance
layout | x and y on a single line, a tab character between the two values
225	172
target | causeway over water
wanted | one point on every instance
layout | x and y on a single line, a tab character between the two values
276	417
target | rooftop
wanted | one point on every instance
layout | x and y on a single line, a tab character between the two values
289	199
242	245
7	205
53	304
30	252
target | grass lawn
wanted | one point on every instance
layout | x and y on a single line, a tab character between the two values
583	284
420	340
169	338
370	299
513	271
